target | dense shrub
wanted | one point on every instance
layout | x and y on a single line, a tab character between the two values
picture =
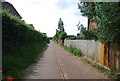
21	44
14	64
89	34
60	35
15	31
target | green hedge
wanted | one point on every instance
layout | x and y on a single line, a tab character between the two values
15	31
21	44
22	56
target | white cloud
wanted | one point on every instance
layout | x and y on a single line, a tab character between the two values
44	14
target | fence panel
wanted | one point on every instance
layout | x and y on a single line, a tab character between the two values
89	48
105	54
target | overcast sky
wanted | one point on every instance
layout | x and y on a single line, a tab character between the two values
45	14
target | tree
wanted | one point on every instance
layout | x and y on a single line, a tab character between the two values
106	15
61	25
56	36
87	9
89	34
62	36
80	26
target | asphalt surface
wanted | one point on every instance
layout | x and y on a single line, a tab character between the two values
56	63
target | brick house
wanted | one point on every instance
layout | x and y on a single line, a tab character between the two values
90	24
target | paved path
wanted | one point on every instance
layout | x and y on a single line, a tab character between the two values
55	63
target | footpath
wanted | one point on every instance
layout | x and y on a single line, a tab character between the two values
56	63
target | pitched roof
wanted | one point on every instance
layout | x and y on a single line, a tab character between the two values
10	7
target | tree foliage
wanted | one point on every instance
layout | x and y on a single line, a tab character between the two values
60	32
61	25
106	15
56	36
60	35
89	34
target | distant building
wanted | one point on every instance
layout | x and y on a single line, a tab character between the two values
79	36
91	24
10	8
70	36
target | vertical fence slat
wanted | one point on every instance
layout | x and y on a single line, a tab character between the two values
102	53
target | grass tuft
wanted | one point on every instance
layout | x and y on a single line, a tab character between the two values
72	50
102	69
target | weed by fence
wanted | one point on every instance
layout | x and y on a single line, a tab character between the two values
108	73
72	50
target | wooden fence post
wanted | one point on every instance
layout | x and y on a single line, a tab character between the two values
101	59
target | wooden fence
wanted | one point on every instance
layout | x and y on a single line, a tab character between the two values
105	54
113	56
